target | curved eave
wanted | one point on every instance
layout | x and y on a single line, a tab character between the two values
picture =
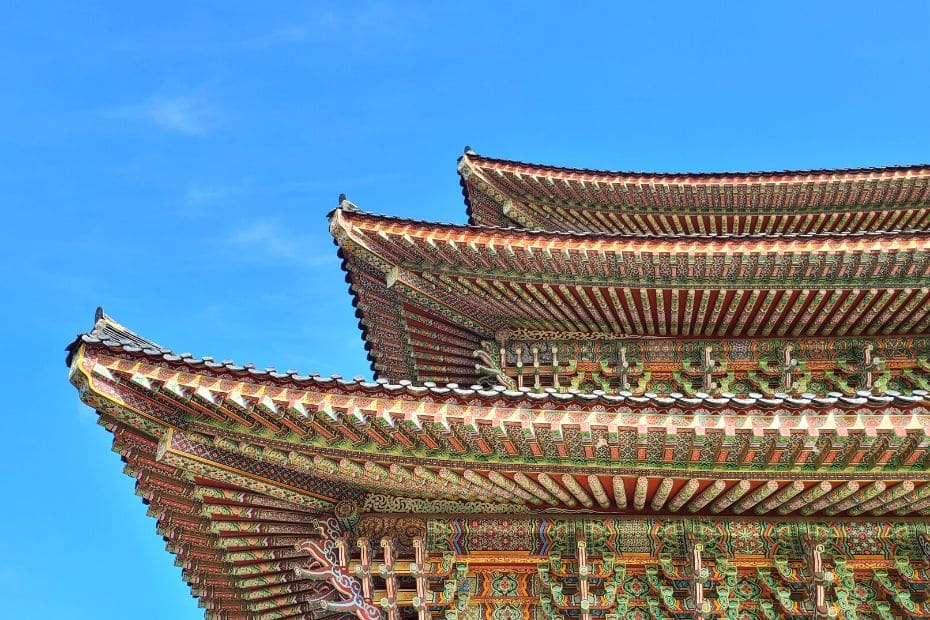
314	442
463	185
344	204
369	354
784	202
107	334
776	176
233	545
813	285
340	216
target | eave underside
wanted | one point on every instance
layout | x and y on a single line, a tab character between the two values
240	466
238	552
235	546
429	295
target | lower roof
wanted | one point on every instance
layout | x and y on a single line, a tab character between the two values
305	430
242	467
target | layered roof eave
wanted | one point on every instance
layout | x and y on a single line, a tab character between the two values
503	192
112	336
313	442
340	215
457	276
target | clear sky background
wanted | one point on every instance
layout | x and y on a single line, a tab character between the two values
174	163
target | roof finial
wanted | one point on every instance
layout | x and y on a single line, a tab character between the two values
99	314
469	151
347	205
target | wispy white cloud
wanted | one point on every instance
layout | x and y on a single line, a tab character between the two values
200	199
281	36
268	239
362	21
190	115
200	195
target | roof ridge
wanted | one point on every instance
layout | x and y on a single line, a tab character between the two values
860	170
639	236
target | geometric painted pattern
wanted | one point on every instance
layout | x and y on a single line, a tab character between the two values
430	294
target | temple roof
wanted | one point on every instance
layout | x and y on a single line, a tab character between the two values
481	430
429	294
241	466
611	396
510	193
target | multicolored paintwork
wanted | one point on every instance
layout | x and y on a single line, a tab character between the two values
509	193
710	400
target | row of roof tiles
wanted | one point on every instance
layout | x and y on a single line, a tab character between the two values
832	173
346	206
110	334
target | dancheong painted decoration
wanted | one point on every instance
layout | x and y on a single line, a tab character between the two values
609	396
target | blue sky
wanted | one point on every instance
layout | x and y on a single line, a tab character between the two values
174	163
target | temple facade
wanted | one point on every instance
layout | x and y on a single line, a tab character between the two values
609	396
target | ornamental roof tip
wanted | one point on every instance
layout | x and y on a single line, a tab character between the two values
461	165
343	204
347	205
113	336
107	330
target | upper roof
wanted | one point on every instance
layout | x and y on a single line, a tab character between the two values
509	193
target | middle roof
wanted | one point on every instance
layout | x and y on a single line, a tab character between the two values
428	294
